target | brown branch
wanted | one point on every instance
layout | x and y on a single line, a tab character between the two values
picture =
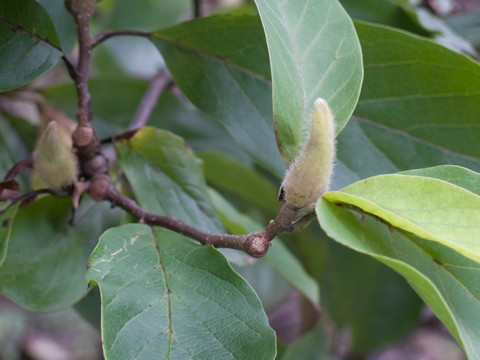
255	244
19	167
82	20
85	141
25	199
107	34
174	224
159	82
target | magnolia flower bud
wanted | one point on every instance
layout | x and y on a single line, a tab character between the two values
53	159
308	176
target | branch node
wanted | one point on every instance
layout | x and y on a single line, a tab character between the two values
100	187
95	165
257	244
82	136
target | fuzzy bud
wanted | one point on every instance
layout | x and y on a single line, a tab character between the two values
54	161
308	176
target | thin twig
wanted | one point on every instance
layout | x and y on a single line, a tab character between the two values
85	141
82	20
174	224
107	34
255	244
19	167
26	199
159	82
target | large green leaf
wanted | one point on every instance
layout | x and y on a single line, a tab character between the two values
383	137
432	209
227	173
221	64
418	95
167	178
164	297
29	44
46	259
407	225
314	52
364	297
393	13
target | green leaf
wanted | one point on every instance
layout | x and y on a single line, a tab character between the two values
408	225
167	178
221	64
314	345
314	52
29	45
399	14
187	292
456	175
384	136
417	94
6	220
419	205
225	172
147	16
44	267
365	297
64	23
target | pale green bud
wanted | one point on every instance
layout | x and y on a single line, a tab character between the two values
54	161
308	176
